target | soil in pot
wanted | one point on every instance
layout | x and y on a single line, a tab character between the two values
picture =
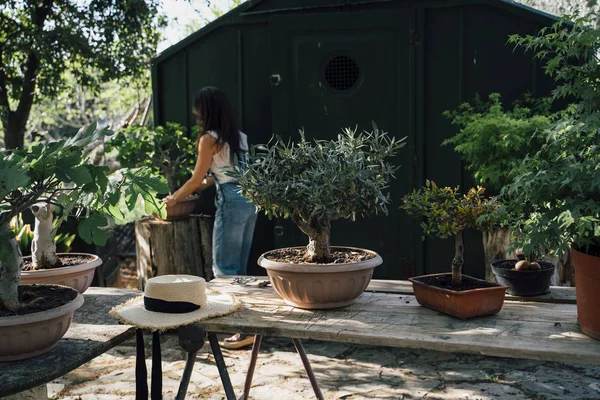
295	255
37	298
445	282
66	260
524	282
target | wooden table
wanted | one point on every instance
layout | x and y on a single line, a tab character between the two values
523	329
91	333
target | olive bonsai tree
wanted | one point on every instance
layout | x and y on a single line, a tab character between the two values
58	174
164	150
447	213
316	182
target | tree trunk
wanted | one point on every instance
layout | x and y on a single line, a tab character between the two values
10	274
495	243
458	260
43	248
174	247
318	244
14	131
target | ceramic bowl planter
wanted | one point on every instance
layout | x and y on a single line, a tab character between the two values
523	283
587	292
78	276
320	286
182	208
29	335
461	304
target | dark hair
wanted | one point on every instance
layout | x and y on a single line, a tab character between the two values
214	112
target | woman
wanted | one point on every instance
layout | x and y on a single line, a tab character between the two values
221	144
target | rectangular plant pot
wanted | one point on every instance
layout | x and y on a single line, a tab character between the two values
464	304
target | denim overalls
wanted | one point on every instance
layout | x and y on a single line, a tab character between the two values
233	230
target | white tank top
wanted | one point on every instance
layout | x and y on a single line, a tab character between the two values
222	158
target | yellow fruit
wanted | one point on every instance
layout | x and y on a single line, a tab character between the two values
535	266
522	265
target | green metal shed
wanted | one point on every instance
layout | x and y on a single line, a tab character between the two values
326	64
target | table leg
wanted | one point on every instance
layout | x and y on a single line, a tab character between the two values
250	374
191	339
307	367
216	349
187	373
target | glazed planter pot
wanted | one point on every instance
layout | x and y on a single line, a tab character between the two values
523	283
78	277
26	336
320	286
182	208
587	292
460	304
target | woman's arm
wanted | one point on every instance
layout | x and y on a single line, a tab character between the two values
206	148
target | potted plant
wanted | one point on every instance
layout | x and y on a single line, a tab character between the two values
165	150
446	213
314	183
56	174
493	141
562	181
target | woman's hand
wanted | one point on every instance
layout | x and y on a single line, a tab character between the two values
170	200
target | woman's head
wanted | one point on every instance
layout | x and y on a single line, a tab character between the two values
214	112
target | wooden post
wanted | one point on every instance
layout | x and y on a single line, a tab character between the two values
182	246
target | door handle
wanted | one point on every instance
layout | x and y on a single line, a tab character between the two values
275	79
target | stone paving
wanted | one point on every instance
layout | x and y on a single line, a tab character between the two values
344	371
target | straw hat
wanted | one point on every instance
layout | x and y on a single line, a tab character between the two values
170	301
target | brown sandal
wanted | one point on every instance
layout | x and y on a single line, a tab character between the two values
238	341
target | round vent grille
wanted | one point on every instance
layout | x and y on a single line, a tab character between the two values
342	73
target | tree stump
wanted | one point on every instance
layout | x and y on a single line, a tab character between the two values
495	243
181	246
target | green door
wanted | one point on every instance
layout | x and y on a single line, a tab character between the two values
344	69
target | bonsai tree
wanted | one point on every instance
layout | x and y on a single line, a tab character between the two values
163	150
447	213
556	189
316	182
493	141
59	174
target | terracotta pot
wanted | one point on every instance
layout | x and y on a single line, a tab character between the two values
465	304
182	208
320	286
587	292
26	336
78	277
525	282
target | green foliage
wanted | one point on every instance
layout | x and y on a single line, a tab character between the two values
24	235
164	150
446	212
555	191
494	141
59	173
95	41
320	179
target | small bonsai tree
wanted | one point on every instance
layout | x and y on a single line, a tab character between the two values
164	150
447	213
59	174
315	182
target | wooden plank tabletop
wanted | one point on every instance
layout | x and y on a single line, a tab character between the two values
91	333
527	330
